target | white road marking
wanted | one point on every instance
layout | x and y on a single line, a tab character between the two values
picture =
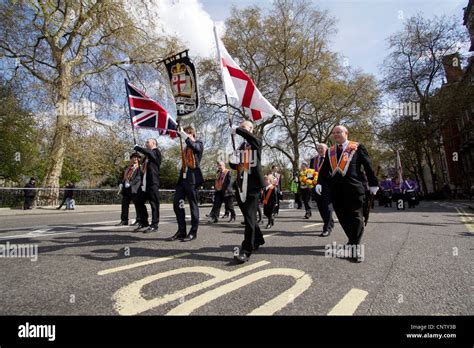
313	225
349	303
140	264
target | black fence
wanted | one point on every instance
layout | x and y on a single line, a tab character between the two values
14	197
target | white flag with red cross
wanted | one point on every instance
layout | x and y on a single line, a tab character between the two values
239	87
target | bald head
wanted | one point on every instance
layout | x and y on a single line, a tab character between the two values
151	143
339	134
247	125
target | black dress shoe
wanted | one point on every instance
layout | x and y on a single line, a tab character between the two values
213	221
176	236
189	237
122	223
136	223
232	218
241	258
325	234
268	226
242	223
140	227
151	229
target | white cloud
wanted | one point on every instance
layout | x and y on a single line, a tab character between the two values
185	19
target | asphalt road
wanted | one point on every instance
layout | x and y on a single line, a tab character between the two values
417	262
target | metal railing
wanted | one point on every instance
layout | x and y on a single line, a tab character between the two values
14	197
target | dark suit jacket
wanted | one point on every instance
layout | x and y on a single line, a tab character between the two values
135	182
255	179
153	167
29	193
226	184
273	199
194	176
353	182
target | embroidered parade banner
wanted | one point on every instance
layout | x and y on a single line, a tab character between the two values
182	75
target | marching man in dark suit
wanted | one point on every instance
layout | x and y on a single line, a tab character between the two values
130	184
248	184
324	199
150	186
342	171
190	179
222	184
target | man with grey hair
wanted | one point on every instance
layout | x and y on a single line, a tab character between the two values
342	171
150	186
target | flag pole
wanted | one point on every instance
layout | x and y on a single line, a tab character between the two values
229	116
130	113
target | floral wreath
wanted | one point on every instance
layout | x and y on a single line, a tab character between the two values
309	177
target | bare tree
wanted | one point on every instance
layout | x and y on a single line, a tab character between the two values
64	43
414	69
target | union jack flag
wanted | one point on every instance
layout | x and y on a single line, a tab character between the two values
147	113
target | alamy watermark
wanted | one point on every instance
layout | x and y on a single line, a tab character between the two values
344	251
28	251
409	109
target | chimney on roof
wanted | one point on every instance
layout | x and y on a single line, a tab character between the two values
452	67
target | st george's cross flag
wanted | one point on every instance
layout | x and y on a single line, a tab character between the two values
147	113
239	87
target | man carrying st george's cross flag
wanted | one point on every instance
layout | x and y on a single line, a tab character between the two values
147	113
182	75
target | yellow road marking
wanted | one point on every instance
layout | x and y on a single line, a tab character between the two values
140	264
129	300
466	219
303	282
349	303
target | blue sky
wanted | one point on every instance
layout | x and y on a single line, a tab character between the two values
363	25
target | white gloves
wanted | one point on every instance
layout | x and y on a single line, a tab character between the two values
318	188
182	133
373	189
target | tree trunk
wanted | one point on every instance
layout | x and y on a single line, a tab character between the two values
57	154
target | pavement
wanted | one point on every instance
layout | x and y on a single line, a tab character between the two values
416	262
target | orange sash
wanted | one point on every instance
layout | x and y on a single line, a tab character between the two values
267	196
189	157
220	179
343	165
244	166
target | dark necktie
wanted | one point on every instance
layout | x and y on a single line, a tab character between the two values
339	151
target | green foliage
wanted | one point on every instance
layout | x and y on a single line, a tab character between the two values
18	147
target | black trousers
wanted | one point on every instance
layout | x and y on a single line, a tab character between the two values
276	209
142	213
349	211
216	206
268	210
253	236
229	205
191	193
126	199
325	210
298	200
28	202
306	195
152	195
